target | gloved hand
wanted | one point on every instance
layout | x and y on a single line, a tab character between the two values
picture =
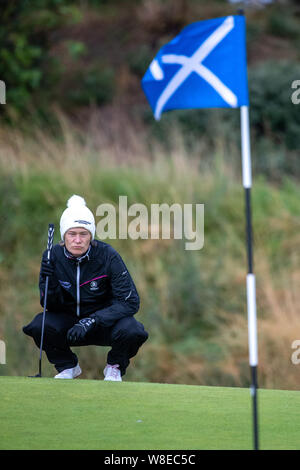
80	329
47	268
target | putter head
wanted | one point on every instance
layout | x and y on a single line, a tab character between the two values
34	376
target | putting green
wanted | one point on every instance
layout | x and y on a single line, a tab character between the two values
44	413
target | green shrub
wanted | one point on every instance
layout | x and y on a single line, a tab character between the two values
94	85
282	22
139	59
26	67
275	120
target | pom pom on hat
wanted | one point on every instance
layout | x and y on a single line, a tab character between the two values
76	215
76	201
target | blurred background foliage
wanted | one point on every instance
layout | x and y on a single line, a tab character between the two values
76	121
85	54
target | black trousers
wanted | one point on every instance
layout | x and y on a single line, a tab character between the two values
125	338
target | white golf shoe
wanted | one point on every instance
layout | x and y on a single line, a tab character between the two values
69	373
112	373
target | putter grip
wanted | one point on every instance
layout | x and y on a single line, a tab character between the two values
50	238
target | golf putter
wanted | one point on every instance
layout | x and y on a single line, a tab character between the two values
49	246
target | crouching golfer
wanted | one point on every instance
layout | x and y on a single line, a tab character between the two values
91	299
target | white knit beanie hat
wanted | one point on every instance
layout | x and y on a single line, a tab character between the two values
77	214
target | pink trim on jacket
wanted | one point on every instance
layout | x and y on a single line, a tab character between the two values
104	275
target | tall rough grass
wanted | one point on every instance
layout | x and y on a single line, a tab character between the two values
193	303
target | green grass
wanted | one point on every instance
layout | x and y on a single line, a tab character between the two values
93	414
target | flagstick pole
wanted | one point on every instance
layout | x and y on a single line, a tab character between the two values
251	294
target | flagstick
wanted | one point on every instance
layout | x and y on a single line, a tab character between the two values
251	295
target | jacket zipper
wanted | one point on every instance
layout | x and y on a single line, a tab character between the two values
78	290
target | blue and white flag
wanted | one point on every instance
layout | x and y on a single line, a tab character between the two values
205	66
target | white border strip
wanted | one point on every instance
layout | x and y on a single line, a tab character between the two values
246	153
252	321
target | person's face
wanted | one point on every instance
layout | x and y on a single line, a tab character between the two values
77	240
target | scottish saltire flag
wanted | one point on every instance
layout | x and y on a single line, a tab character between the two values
205	66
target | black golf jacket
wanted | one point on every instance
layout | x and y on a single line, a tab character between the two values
98	284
